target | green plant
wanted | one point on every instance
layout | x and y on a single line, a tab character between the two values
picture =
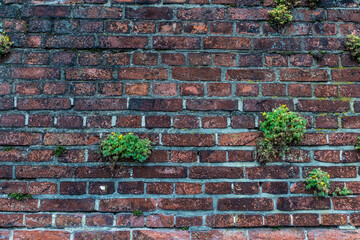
19	196
319	181
281	128
343	192
59	151
5	44
185	228
116	147
280	16
288	3
7	149
137	213
357	146
353	45
313	3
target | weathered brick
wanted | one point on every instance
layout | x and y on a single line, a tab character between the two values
185	204
128	204
245	204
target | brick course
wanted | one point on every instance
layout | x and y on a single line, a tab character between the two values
194	77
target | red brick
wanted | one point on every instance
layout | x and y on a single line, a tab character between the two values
40	188
159	172
38	220
43	104
240	156
188	221
164	105
275	187
209	105
176	43
40	156
11	220
70	139
332	234
100	104
186	121
333	219
160	121
218	188
170	27
41	234
326	122
165	89
305	220
28	88
105	235
122	42
323	106
128	121
101	188
99	220
226	220
98	121
247	90
172	59
72	188
196	74
151	234
185	204
294	234
215	172
191	89
275	60
129	220
159	188
273	172
84	89
20	138
188	188
160	220
128	204
212	156
302	203
131	187
277	220
100	172
238	139
199	59
11	187
246	188
340	139
14	120
142	73
245	204
200	140
299	75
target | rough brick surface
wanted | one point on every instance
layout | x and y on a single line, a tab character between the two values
193	76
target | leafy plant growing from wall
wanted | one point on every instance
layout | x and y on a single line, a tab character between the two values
357	146
353	46
281	14
118	148
281	128
59	151
137	213
5	44
20	196
343	192
319	181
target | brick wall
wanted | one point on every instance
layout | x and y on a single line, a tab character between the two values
194	77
